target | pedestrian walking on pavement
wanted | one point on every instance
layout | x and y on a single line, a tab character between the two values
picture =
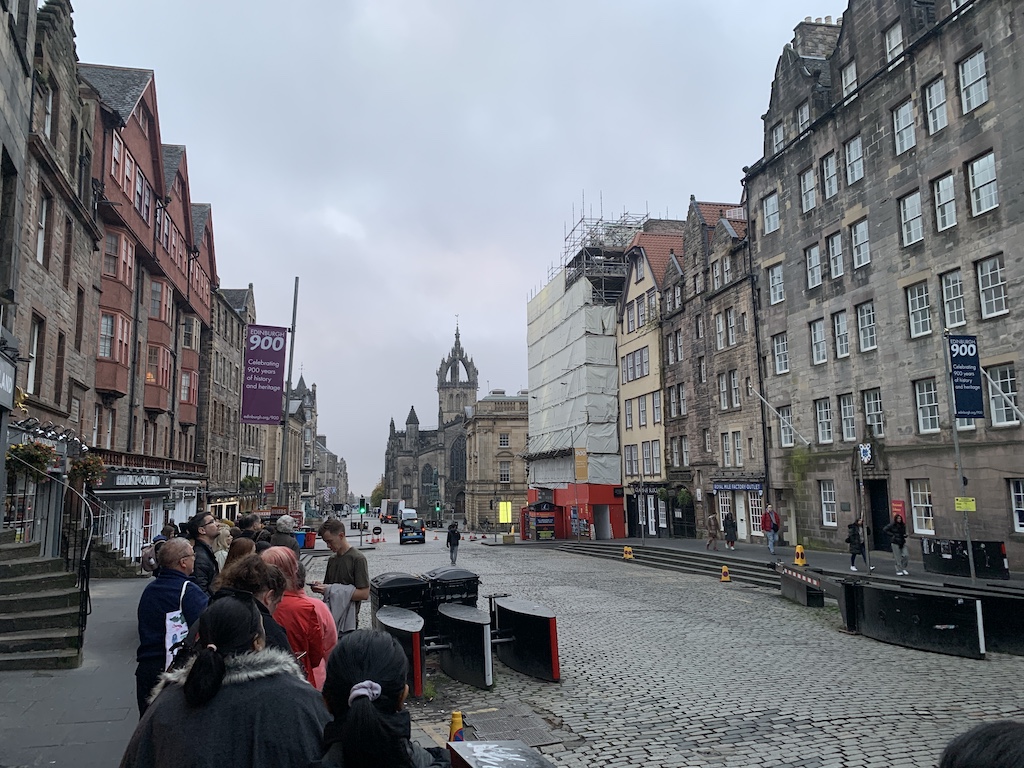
215	711
452	542
897	531
771	524
712	532
169	605
365	691
856	541
729	526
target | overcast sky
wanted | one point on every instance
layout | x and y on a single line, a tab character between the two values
414	160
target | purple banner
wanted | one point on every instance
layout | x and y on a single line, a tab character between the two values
263	375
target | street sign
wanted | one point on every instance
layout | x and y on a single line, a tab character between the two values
268	487
966	504
968	399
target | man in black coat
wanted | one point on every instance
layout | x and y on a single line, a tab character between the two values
204	529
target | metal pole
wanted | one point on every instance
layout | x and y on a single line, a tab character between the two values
956	451
287	400
860	502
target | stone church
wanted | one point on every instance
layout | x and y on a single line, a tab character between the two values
423	466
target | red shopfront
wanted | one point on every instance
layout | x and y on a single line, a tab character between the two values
597	508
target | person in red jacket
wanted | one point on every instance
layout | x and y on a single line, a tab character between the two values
771	524
297	614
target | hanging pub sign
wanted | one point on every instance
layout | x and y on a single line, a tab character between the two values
968	400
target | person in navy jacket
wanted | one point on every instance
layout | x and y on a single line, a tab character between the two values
172	587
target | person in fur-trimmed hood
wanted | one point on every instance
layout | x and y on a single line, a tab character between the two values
235	703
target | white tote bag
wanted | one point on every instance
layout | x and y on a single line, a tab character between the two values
175	628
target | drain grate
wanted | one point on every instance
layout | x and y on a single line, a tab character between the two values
512	722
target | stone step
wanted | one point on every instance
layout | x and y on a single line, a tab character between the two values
61	658
39	640
751	572
8	536
16	552
39	601
31	567
37	583
48	619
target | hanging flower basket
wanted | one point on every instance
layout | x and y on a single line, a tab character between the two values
30	460
88	468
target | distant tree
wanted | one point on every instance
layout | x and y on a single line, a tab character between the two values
378	493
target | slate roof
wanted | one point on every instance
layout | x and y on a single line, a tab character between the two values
119	87
657	249
235	297
200	215
172	161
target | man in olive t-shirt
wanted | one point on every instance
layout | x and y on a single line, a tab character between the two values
347	565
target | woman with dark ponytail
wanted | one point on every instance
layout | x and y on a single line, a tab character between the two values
365	690
233	685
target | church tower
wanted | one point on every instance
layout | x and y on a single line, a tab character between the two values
457	383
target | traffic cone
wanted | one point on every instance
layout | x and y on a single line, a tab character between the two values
799	558
472	537
435	535
725	573
455	732
627	553
382	539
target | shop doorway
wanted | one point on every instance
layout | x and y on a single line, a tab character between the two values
602	522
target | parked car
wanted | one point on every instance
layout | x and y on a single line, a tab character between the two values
412	531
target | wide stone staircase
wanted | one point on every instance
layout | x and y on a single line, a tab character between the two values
748	571
41	616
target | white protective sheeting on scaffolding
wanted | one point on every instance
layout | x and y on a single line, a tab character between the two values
573	377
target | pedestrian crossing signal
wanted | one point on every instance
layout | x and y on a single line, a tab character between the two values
362	505
437	506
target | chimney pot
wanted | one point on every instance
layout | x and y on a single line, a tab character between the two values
807	19
828	19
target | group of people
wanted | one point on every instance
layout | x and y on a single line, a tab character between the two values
190	577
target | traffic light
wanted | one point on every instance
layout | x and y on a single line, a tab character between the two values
437	506
362	505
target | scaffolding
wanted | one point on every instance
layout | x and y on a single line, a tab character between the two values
595	249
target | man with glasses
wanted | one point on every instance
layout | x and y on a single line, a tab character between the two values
203	530
170	602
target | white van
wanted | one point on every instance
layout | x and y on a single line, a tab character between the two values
409	514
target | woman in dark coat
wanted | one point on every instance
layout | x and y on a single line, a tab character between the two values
365	690
897	531
233	685
729	525
856	542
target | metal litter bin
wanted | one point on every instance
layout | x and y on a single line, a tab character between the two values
402	590
450	584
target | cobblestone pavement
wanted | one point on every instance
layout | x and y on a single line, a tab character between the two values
665	669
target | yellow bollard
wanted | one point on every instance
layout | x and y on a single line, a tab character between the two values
627	553
455	732
725	573
798	558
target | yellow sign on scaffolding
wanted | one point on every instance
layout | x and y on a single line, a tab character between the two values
581	465
966	504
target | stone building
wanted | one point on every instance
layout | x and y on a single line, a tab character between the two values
253	470
218	436
641	410
886	209
495	468
331	477
422	467
57	282
157	272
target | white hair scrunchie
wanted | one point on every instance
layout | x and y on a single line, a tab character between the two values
367	688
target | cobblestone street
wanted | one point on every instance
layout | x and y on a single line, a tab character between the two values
665	669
